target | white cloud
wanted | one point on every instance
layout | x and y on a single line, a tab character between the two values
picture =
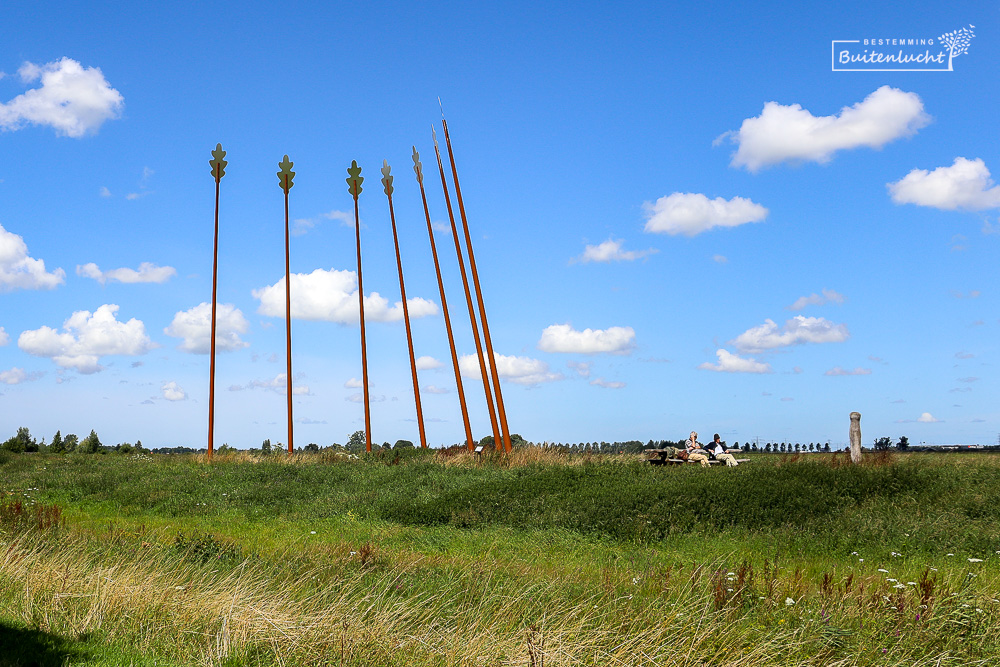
966	184
87	337
146	273
72	99
720	259
829	296
797	330
837	370
519	370
973	294
601	382
790	133
431	389
4	338
105	192
278	384
582	368
563	338
731	363
17	376
195	327
927	418
691	213
611	251
19	271
332	296
301	226
354	383
426	363
172	392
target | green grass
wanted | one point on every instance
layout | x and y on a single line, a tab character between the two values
578	560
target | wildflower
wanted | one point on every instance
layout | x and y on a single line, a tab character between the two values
892	580
312	532
899	586
975	560
978	610
789	602
951	554
883	570
855	553
861	560
911	583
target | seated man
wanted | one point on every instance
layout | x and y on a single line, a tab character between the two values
719	453
695	451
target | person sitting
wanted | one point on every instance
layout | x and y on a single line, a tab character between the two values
695	450
718	452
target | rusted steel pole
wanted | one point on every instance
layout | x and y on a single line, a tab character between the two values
468	297
218	164
418	169
388	189
479	296
285	177
354	181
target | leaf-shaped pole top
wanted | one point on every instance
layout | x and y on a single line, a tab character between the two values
355	179
218	163
386	178
286	174
418	168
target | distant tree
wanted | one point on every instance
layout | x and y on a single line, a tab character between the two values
903	444
753	446
767	447
882	444
782	448
225	449
124	448
826	447
812	447
517	441
71	442
142	450
91	444
265	447
487	442
57	446
312	448
798	447
403	444
356	442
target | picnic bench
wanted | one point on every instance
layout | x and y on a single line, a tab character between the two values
659	457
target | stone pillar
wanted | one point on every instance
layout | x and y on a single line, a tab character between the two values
855	437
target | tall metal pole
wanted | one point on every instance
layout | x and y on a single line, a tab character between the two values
479	295
468	296
418	169
218	164
388	189
285	177
354	181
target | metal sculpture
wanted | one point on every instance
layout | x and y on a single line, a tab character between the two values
285	176
479	295
218	164
354	181
388	189
418	169
468	295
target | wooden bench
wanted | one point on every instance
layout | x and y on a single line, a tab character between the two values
659	458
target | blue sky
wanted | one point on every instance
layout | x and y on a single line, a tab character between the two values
682	217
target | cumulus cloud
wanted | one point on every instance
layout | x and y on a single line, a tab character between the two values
606	384
837	370
146	273
828	296
519	370
790	133
966	184
4	338
172	392
195	327
278	384
426	363
927	418
691	213
611	251
72	99
301	226
354	383
563	338
732	363
332	296
18	375
86	338
769	336
19	271
582	368
431	389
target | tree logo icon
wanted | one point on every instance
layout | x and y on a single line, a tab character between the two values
957	42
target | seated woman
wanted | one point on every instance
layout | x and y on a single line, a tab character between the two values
695	451
719	453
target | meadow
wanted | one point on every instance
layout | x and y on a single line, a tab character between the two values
536	558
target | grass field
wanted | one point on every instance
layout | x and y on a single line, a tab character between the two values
533	559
